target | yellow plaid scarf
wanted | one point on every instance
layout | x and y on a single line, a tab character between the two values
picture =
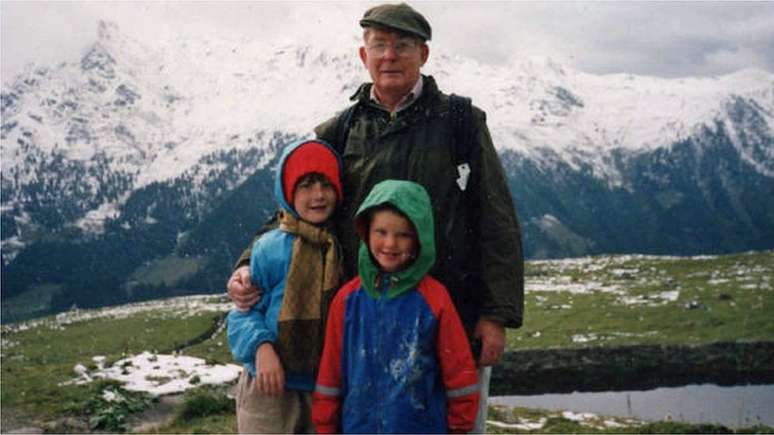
313	277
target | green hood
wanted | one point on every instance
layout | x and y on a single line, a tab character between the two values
413	201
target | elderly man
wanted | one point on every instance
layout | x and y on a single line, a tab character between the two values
402	126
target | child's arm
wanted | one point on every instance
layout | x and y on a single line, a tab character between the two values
326	408
458	368
248	330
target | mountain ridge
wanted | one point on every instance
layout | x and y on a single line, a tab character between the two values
168	151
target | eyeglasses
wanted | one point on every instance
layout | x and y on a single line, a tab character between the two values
403	48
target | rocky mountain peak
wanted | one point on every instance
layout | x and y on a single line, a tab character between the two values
80	140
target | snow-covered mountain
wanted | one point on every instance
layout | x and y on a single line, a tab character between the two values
132	137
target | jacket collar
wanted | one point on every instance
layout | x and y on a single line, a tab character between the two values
407	99
429	90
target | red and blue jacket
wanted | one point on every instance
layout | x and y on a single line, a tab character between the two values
396	358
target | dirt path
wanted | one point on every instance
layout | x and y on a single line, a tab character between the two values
14	422
156	416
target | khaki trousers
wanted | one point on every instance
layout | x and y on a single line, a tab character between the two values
290	412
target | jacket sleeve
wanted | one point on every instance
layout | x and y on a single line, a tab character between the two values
327	130
458	369
498	232
244	259
247	331
327	396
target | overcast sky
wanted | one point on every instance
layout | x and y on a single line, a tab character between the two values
667	39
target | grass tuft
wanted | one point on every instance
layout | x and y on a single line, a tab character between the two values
204	402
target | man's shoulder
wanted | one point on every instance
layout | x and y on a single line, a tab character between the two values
447	99
327	130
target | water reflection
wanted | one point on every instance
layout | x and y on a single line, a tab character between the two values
734	407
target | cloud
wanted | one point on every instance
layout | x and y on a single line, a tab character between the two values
732	60
667	39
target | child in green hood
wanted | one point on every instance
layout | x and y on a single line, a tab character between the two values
396	358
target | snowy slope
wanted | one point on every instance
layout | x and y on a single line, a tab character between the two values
538	105
184	97
81	137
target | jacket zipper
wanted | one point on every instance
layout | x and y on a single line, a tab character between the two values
384	287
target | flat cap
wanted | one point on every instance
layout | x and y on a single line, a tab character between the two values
400	17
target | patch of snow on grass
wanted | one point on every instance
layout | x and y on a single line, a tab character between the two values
581	338
7	344
162	374
522	425
580	417
613	424
670	296
111	396
565	284
625	272
650	300
585	338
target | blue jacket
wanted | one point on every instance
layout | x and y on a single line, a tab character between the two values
269	265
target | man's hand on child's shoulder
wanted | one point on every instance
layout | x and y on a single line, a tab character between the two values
241	289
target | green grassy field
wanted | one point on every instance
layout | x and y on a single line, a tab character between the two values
598	301
38	356
626	300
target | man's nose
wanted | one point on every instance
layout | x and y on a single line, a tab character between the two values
390	52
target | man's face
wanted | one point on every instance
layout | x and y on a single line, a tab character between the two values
393	61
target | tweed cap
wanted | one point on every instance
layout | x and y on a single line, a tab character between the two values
400	17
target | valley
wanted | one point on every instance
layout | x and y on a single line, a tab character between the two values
605	320
141	172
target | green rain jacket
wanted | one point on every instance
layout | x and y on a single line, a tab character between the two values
478	239
477	235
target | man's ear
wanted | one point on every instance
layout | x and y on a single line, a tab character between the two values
424	52
363	56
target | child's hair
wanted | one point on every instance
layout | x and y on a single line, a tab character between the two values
312	177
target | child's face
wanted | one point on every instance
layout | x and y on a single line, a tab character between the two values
391	240
314	199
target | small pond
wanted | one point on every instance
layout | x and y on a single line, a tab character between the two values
733	407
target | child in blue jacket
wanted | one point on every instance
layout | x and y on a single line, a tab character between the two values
396	357
279	340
